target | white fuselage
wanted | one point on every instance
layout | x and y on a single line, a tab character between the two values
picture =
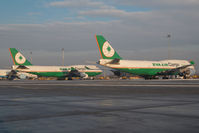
60	71
145	64
133	66
80	68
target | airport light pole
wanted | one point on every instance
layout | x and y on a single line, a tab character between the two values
30	56
169	39
62	56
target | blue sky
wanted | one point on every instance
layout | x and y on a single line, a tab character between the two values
40	11
137	29
29	11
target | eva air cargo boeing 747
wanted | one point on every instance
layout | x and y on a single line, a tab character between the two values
21	64
147	69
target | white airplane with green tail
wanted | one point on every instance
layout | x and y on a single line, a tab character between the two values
21	64
147	69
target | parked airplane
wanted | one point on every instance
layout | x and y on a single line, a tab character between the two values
61	72
147	69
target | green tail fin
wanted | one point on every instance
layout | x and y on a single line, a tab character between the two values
106	51
18	58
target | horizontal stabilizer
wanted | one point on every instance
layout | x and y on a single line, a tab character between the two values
114	61
22	67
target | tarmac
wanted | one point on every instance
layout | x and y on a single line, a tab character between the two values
99	106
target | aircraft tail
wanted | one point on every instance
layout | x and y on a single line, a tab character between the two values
18	58
106	50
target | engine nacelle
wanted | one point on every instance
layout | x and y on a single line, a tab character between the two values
117	73
83	75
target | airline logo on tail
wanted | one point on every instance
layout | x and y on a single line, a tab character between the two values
108	51
18	58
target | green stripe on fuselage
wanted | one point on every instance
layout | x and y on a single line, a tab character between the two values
142	71
91	74
50	74
60	74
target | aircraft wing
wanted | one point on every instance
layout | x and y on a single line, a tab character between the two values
116	72
175	70
73	73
